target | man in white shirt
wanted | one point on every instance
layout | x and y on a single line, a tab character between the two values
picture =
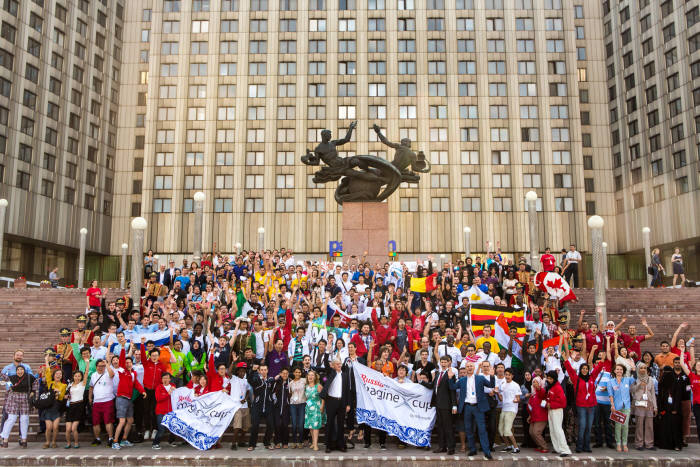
509	394
485	354
101	396
240	388
447	348
572	259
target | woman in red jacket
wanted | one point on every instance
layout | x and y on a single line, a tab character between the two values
584	388
163	406
556	403
538	414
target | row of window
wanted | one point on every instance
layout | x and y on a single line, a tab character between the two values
407	204
405	89
288	135
173	6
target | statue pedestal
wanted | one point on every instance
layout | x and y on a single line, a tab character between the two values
366	228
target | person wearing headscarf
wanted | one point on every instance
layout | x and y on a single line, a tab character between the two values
536	406
556	403
668	429
644	409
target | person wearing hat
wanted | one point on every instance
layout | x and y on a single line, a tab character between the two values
81	334
155	290
64	351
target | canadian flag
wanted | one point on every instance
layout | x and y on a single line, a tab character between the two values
554	285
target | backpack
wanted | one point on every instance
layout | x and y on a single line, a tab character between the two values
44	398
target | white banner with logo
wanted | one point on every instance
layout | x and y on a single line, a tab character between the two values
402	410
201	420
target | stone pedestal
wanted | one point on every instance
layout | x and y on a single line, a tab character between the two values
366	228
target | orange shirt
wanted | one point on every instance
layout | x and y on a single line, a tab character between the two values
387	368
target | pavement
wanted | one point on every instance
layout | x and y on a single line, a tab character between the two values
142	455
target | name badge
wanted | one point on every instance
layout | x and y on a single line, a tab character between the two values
644	397
543	404
670	400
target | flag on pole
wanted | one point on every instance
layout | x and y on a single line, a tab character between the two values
424	284
480	315
555	285
502	335
476	295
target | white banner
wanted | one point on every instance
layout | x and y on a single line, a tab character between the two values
402	410
201	420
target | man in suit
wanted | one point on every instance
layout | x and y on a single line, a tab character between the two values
336	394
169	276
162	275
473	404
445	402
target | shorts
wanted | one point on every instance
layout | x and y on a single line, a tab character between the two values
241	420
505	423
125	407
50	414
103	412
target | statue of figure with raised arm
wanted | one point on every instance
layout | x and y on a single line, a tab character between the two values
405	157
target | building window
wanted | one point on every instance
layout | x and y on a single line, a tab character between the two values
440	204
162	205
316	204
223	205
284	204
502	205
564	204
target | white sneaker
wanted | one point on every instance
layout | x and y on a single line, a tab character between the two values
146	434
153	434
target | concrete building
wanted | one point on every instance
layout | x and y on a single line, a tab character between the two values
225	96
59	90
653	70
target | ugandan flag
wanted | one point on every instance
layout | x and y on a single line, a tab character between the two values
480	315
423	284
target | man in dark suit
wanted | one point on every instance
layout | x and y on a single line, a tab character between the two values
336	394
445	402
169	276
473	404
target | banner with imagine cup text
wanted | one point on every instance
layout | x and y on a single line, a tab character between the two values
402	410
201	420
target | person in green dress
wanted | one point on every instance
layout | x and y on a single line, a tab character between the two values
313	418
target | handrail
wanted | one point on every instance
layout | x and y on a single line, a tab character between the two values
11	280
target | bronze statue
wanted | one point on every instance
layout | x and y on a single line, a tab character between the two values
364	177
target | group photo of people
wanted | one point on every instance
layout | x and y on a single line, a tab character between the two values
285	333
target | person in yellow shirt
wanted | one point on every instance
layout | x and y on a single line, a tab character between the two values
486	337
52	415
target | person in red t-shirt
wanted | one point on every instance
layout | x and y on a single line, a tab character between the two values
94	296
632	341
548	261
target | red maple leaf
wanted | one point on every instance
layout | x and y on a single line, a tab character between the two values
556	284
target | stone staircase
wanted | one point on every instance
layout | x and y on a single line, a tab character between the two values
32	318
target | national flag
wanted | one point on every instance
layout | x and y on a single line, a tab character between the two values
480	315
554	285
395	275
475	296
503	337
424	284
159	338
553	342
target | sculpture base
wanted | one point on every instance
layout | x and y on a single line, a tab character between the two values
366	228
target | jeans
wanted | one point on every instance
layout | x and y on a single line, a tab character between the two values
622	429
161	429
585	422
472	414
602	426
297	412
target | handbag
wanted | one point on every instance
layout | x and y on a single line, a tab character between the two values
650	270
618	417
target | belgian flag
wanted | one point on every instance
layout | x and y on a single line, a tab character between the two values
481	315
423	284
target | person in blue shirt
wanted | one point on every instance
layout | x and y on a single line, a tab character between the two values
619	394
145	326
17	360
184	280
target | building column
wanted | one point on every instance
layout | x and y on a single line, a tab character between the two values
595	223
138	228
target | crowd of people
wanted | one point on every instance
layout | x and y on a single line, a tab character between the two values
288	333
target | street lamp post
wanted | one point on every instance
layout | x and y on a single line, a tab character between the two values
595	223
138	228
81	258
531	198
604	245
3	209
646	240
261	239
199	198
467	240
122	278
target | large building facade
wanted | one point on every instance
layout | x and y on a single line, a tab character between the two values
224	96
59	94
